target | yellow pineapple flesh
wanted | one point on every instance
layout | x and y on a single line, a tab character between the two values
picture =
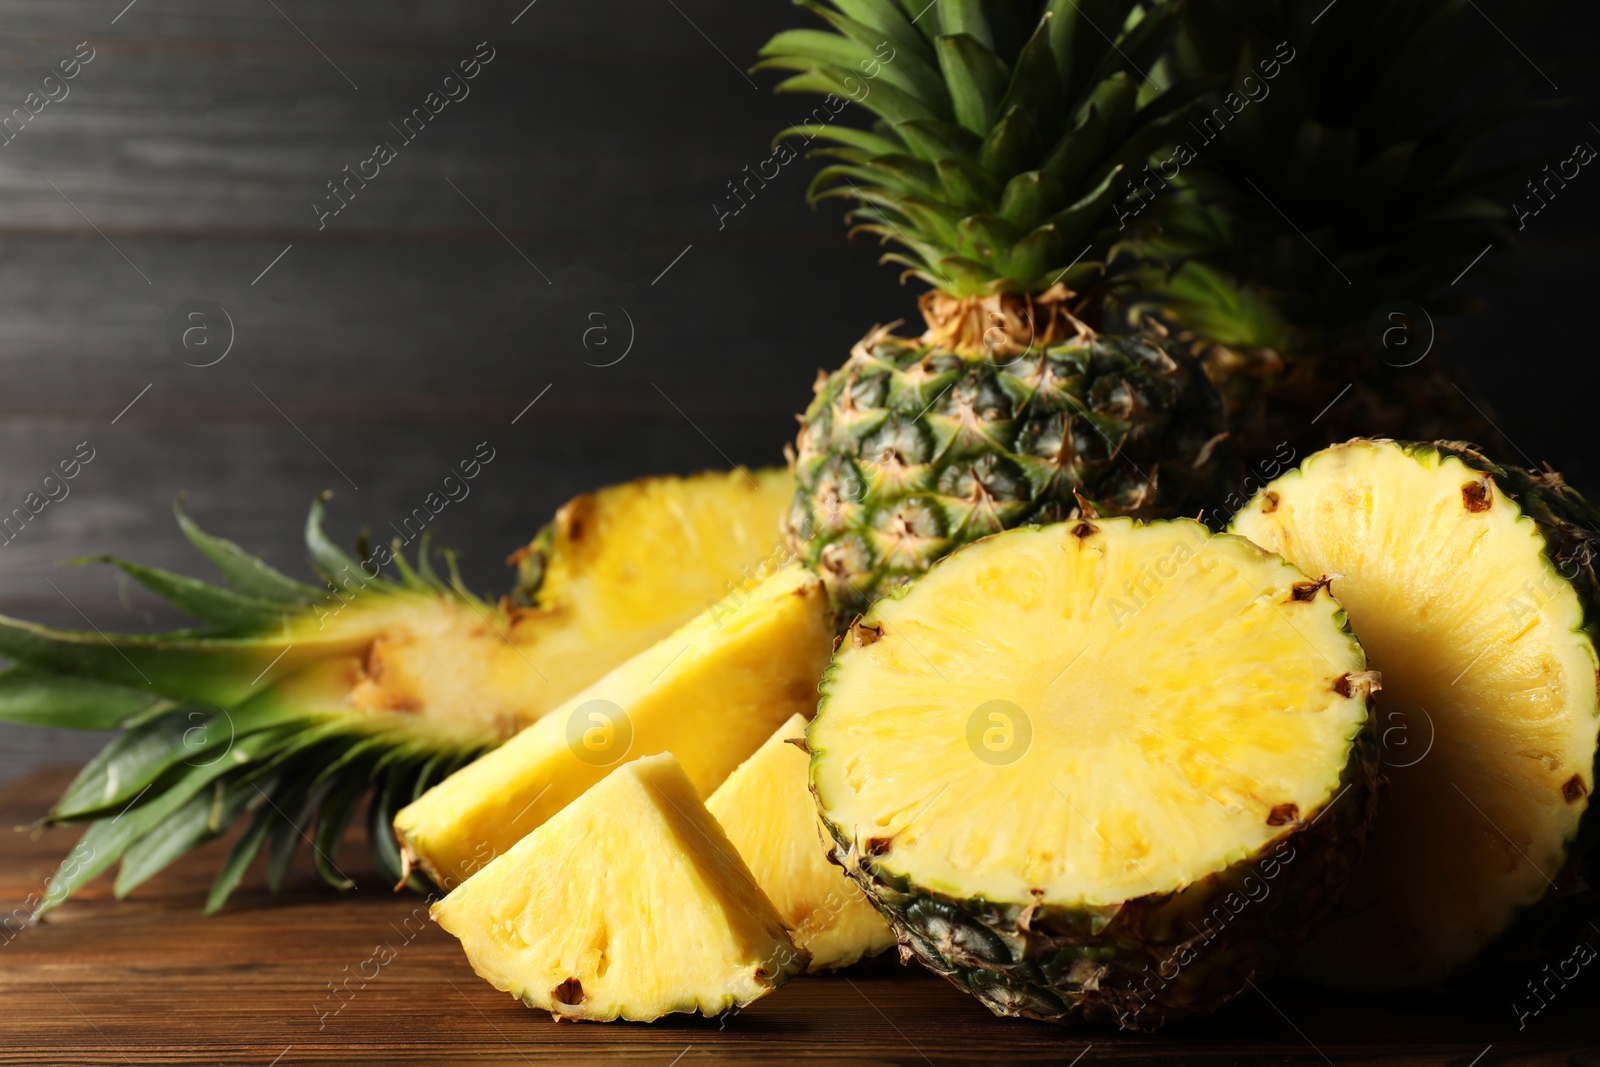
768	812
1451	571
710	693
1100	769
484	671
623	567
631	903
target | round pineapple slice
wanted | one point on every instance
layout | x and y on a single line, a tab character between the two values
1100	769
1472	588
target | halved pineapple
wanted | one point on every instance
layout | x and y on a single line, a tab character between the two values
1099	769
621	568
382	679
629	904
768	812
710	693
1472	588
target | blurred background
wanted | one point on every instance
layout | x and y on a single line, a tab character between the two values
546	271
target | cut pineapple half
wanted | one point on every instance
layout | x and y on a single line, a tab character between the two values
768	812
1455	573
382	679
631	903
711	693
1099	769
621	568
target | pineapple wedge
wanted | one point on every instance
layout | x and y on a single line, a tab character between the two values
711	693
631	903
767	810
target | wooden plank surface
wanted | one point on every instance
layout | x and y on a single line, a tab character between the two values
149	981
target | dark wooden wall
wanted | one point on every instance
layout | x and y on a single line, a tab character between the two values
457	286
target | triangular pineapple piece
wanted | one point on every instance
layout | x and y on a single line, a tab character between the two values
629	904
711	693
768	812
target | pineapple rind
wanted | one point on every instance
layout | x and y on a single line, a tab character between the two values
631	904
1566	524
1149	961
911	450
1143	961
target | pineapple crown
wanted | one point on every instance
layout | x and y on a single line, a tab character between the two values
1003	129
1347	181
223	725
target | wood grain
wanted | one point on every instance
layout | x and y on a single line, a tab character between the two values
148	981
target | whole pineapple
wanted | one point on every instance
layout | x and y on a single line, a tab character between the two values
1309	223
1003	133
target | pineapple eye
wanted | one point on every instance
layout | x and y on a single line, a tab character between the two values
1068	363
912	520
1042	437
870	391
1025	367
989	400
1000	480
897	441
1113	397
1150	356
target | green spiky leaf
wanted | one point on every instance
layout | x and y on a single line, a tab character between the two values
219	607
1335	150
244	572
247	716
1057	91
244	851
107	839
40	699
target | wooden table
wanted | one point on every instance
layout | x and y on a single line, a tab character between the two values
150	981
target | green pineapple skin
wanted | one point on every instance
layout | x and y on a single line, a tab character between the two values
910	451
1142	964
